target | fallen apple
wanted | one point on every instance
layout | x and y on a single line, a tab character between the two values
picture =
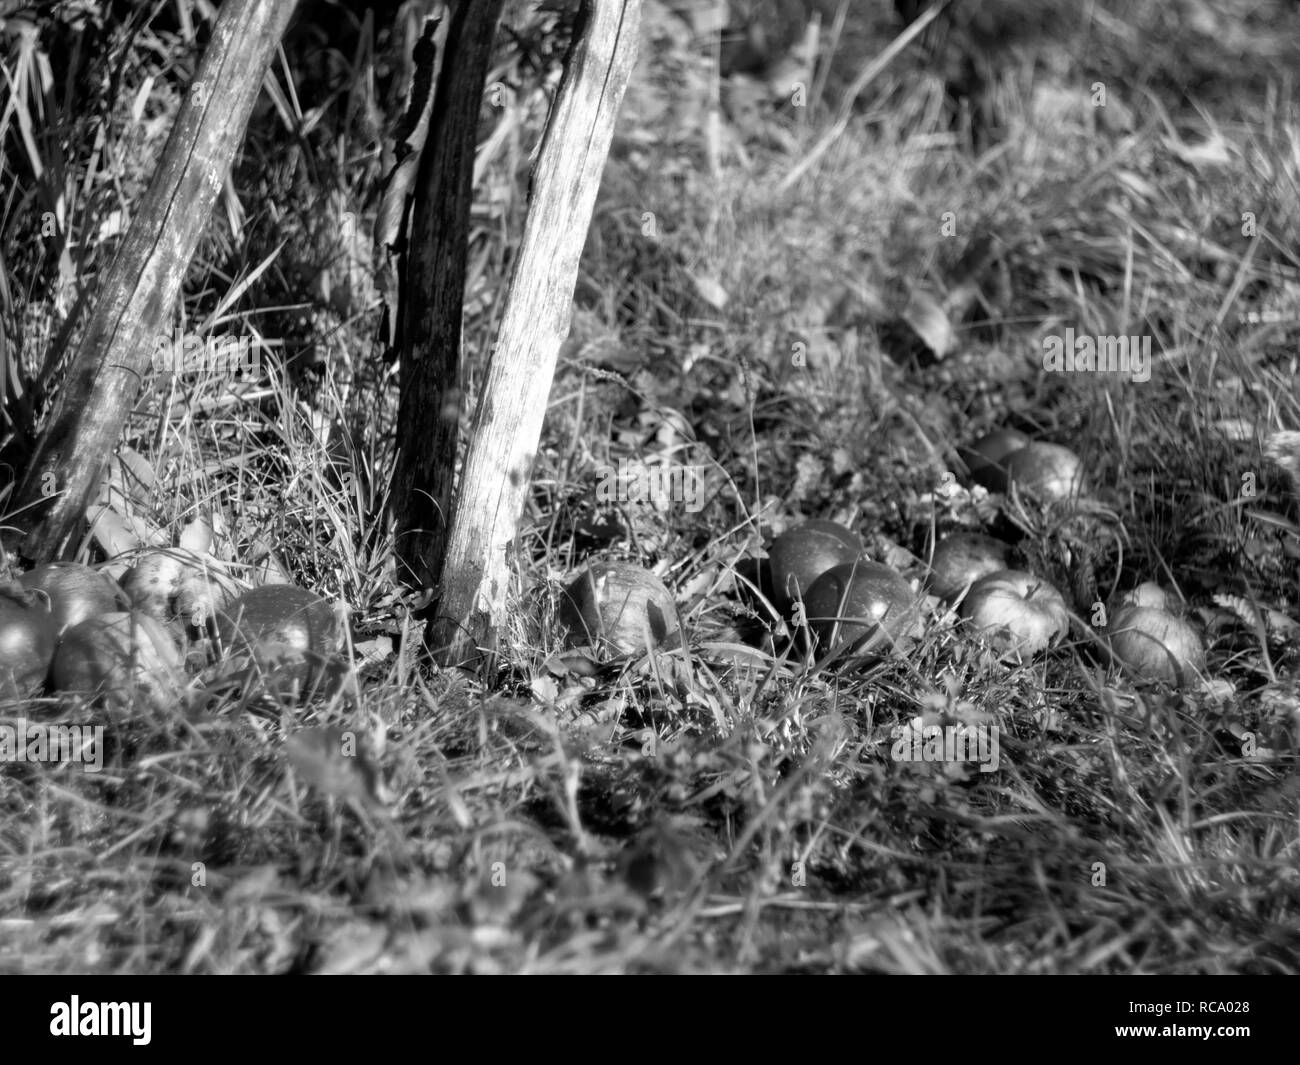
1021	614
117	657
963	558
987	457
152	582
27	640
75	592
800	555
293	636
1049	472
619	606
176	585
864	604
1148	594
202	592
1153	645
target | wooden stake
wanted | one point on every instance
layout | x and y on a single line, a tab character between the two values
535	320
135	304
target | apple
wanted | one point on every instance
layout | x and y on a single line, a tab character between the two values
800	555
1050	472
1148	593
963	558
1021	613
1153	645
176	585
987	457
28	636
116	656
862	603
75	592
152	582
291	636
619	606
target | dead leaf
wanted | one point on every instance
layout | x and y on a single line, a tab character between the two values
118	534
710	291
545	690
132	478
928	320
253	886
196	537
378	649
267	566
1213	151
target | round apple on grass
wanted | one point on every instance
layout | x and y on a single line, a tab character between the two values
1153	645
1019	613
27	640
865	605
151	583
1049	472
75	592
619	607
987	457
118	657
1148	594
174	585
800	555
963	558
292	636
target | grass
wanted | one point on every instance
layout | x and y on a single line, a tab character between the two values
704	809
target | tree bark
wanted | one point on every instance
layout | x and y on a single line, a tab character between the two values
512	406
135	303
433	295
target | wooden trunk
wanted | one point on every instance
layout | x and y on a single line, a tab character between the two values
508	420
139	293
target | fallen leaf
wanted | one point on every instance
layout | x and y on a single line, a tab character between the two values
928	320
710	291
196	537
544	690
1213	151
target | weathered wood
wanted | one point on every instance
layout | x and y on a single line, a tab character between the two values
140	289
433	295
402	161
535	320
